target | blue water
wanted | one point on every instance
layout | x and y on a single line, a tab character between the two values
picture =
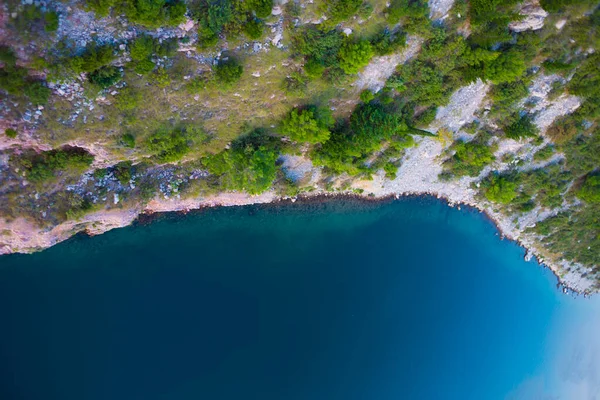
405	300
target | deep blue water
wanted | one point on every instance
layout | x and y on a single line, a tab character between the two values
405	300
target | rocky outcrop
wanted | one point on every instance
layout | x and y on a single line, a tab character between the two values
533	17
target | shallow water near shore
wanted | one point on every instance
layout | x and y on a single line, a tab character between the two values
407	299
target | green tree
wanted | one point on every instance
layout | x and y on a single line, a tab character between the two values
500	190
228	71
590	190
303	126
354	56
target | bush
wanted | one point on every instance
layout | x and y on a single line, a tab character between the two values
314	68
508	67
144	67
499	189
385	42
105	76
254	29
470	158
228	71
51	21
248	165
340	10
10	132
128	99
302	125
161	78
320	46
44	166
353	56
142	48
127	140
94	57
590	190
523	127
262	8
171	144
155	13
390	169
366	96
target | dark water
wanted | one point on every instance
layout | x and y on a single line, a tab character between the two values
405	300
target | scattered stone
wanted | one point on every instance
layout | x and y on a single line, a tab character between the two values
534	16
347	31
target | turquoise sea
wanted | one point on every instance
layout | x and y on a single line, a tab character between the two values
408	299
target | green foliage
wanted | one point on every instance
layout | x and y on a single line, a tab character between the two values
128	99
573	234
44	166
544	153
489	21
142	48
545	185
523	127
582	153
51	21
386	42
366	96
354	56
144	67
351	143
161	78
93	57
508	67
390	170
505	96
340	10
590	190
414	14
254	29
127	140
170	144
317	45
314	68
262	8
228	72
15	80
555	6
10	132
499	189
78	206
304	125
122	172
249	164
469	158
105	76
149	13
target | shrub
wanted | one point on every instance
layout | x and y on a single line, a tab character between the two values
142	48
144	67
228	71
254	28
44	166
590	190
303	126
390	169
500	190
51	21
314	68
161	78
469	158
93	58
127	140
523	127
366	96
318	45
353	56
508	67
105	76
171	144
544	153
262	8
416	10
128	99
385	42
10	132
248	165
340	10
155	13
37	92
122	172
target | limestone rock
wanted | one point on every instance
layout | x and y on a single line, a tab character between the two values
533	17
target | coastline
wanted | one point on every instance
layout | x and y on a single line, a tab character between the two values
101	222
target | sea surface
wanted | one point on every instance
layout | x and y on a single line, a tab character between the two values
407	299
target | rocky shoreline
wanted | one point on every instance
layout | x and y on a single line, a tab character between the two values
101	222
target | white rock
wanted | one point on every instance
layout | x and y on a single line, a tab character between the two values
560	24
256	74
347	31
276	10
534	17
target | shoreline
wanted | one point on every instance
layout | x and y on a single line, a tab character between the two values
91	226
